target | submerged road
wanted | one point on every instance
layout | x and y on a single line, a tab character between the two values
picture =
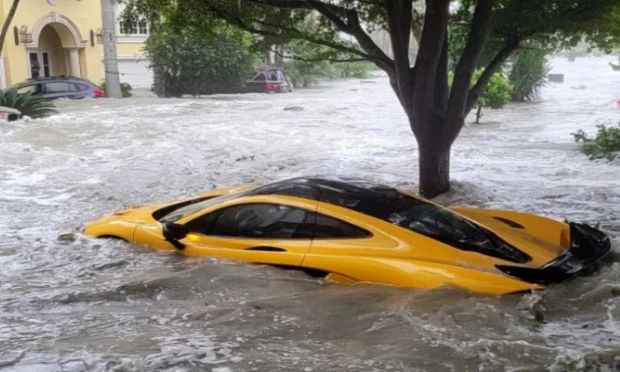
94	305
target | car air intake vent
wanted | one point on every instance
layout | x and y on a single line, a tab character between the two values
510	223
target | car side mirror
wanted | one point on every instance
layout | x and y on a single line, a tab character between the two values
173	232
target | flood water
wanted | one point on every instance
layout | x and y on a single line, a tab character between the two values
94	305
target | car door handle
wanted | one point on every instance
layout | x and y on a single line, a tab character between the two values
263	248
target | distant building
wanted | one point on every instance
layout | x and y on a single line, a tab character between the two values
382	38
63	37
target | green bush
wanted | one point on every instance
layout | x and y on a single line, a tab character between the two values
528	73
306	73
312	65
352	70
126	89
496	94
192	60
28	104
606	144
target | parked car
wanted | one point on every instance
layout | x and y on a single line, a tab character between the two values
269	79
359	232
60	87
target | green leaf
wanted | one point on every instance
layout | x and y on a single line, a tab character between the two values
28	104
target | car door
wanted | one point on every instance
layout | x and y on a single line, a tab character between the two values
56	89
34	88
349	248
261	232
78	90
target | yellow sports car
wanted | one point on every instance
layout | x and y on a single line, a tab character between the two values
352	232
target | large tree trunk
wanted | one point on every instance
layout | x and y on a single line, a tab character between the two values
434	166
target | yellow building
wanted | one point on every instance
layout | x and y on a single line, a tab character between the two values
62	37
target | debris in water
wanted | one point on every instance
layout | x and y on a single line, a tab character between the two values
539	316
66	236
556	78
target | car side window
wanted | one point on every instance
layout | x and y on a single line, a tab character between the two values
33	88
56	87
76	87
330	228
257	220
260	77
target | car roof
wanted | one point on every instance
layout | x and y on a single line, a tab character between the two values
54	78
268	68
357	194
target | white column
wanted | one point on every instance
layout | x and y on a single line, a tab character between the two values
74	62
2	73
110	62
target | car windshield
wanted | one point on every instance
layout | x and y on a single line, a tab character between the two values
441	224
183	210
437	222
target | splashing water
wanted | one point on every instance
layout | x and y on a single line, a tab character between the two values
86	304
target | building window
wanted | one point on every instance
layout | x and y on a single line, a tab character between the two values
140	27
143	27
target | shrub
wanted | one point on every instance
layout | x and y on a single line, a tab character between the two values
606	144
28	104
528	74
313	65
496	94
191	60
126	89
305	73
352	70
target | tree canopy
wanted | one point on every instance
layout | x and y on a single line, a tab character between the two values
192	60
488	32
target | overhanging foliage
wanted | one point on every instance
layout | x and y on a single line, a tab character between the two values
492	30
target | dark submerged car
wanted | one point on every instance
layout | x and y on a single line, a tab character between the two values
60	87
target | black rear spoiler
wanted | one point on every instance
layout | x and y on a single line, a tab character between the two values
588	248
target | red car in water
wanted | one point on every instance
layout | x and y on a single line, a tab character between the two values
269	79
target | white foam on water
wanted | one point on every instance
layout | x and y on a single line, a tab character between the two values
96	305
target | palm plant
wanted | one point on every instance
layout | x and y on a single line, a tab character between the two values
528	73
27	103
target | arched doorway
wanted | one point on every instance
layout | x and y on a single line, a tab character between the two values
49	59
55	47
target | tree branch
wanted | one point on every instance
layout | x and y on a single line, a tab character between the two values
399	13
236	20
510	45
289	4
427	60
480	26
347	21
441	79
304	59
417	25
